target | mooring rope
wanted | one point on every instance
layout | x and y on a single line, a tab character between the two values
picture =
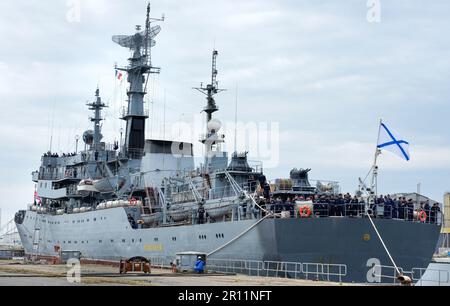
384	245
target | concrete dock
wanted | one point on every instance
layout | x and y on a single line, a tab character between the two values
20	274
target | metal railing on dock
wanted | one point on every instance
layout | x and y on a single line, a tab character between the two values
279	269
293	270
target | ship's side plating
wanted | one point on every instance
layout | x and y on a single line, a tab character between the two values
108	235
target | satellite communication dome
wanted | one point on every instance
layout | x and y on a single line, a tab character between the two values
88	137
214	125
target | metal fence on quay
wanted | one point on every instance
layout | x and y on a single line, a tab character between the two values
292	270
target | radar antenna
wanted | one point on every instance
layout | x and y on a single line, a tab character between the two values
212	89
138	71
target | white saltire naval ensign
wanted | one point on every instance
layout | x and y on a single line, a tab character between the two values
390	142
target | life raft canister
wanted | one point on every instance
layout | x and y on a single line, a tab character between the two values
423	216
305	212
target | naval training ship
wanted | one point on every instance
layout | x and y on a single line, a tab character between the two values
146	197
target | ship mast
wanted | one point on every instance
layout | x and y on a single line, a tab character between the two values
211	90
97	107
211	138
138	71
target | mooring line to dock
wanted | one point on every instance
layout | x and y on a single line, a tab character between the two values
384	245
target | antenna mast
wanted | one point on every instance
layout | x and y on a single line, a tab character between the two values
212	89
212	139
138	71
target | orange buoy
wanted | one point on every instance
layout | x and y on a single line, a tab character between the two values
423	216
305	212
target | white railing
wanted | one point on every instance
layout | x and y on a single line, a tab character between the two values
249	267
295	270
278	269
324	270
159	262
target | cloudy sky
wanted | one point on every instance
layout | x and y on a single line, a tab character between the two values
318	70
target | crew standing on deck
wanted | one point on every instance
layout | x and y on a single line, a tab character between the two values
201	213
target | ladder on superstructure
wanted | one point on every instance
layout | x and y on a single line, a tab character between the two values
36	238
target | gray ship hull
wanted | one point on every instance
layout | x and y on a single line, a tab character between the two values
107	235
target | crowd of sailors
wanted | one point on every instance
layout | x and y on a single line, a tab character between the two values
352	206
50	154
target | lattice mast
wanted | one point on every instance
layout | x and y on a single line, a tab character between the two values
211	90
138	71
97	107
212	139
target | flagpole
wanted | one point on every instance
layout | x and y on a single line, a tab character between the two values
372	199
373	186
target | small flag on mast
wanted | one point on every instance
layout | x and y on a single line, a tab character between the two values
119	75
391	142
37	198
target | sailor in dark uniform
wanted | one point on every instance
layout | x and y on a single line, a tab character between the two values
401	209
332	206
201	213
340	205
132	222
394	209
435	210
410	210
427	210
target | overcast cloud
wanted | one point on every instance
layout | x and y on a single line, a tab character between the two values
317	68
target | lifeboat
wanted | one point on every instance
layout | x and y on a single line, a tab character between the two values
85	187
151	219
217	211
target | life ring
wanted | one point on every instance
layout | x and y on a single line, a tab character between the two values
423	216
305	212
133	201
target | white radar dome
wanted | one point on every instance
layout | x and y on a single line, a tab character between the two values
214	125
